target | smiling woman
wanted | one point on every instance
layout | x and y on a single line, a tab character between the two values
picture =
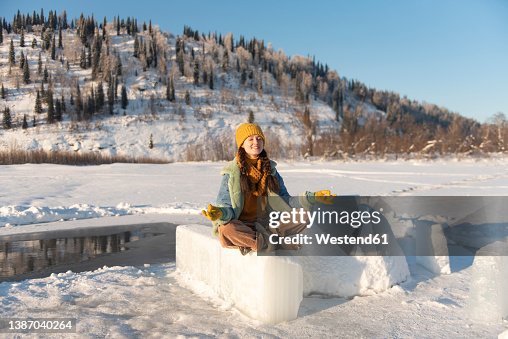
240	217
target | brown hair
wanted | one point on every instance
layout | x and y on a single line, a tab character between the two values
271	182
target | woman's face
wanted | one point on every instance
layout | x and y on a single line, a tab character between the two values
253	145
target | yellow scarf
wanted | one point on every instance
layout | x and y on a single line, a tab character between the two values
257	177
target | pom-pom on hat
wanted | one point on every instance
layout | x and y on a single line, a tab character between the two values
246	130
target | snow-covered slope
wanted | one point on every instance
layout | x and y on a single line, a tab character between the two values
202	130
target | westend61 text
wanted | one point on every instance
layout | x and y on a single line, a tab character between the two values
327	239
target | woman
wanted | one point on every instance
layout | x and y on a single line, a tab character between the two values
239	219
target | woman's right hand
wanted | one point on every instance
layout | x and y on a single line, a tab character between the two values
324	197
212	213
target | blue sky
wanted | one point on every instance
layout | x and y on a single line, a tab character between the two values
450	52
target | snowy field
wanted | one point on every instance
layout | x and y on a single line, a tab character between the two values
148	301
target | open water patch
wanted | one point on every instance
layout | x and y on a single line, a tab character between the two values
36	255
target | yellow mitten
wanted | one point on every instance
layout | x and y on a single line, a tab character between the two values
212	213
324	197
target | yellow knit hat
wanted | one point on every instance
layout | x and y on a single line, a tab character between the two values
246	130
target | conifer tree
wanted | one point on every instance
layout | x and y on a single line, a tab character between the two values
58	110
154	54
39	63
25	123
64	109
243	77
12	55
100	97
168	91
51	107
150	142
187	98
7	123
128	26
95	61
22	39
116	87
60	45
45	75
43	92
111	96
118	26
82	59
91	101
79	102
134	28
205	76
119	66
196	73
34	42
180	61
86	109
337	104
21	60
171	90
53	49
124	100
210	84
34	122
306	117
2	91
64	20
38	104
104	29
250	118
136	47
89	57
1	34
26	72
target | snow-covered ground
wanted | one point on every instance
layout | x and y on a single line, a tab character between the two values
148	301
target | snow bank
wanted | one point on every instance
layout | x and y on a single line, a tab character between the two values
435	264
14	215
431	239
503	335
268	289
349	276
489	295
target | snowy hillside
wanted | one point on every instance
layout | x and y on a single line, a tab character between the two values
180	131
187	93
